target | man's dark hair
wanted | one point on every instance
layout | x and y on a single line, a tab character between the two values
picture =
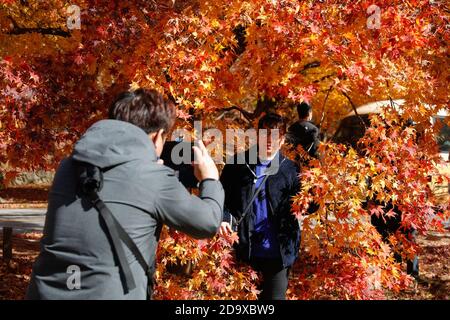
146	109
303	110
272	121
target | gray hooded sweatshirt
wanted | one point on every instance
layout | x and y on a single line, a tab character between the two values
141	194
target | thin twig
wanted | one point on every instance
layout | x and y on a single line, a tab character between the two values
354	108
323	107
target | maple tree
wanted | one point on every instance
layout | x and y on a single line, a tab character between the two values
213	58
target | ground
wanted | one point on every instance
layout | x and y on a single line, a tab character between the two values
30	196
434	262
16	274
434	282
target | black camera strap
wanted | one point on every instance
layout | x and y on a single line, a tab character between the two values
249	205
269	172
117	234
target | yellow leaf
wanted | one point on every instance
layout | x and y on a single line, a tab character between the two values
215	23
134	85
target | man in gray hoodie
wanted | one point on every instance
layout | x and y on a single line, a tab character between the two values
77	260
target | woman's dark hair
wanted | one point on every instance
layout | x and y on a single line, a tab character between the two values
303	110
146	109
272	121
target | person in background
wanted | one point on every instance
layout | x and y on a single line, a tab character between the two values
304	133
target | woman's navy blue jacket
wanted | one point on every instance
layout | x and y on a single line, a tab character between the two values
238	183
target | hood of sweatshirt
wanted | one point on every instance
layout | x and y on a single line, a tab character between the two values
110	143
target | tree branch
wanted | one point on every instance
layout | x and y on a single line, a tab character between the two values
44	31
325	77
17	30
323	107
354	108
248	115
311	65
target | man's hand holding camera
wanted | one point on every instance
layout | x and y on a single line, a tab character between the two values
204	166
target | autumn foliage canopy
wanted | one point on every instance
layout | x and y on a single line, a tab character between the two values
218	60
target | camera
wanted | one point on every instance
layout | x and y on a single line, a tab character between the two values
178	155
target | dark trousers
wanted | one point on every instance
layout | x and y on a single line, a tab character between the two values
388	226
412	266
275	278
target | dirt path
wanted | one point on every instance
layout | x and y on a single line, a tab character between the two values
30	196
15	276
434	264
